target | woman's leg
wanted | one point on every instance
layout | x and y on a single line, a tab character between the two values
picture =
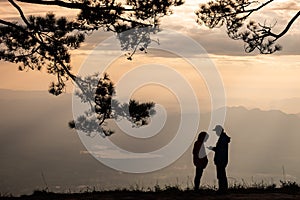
197	179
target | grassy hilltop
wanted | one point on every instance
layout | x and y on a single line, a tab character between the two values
287	190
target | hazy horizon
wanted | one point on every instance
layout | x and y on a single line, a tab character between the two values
41	145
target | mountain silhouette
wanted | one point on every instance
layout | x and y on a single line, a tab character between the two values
35	139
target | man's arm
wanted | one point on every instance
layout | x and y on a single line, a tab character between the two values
212	148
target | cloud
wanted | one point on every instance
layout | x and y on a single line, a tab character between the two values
9	12
216	41
291	5
183	20
109	153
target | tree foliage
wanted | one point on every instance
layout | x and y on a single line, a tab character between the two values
233	14
40	42
45	42
99	92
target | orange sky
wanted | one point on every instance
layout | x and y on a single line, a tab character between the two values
264	81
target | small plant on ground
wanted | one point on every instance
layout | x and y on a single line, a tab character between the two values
290	186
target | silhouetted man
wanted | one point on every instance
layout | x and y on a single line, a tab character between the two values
221	157
199	158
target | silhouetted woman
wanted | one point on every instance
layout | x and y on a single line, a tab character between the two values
199	158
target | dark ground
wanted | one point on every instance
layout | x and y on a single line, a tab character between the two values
171	194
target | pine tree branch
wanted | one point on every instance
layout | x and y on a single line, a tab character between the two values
10	24
287	27
74	5
20	12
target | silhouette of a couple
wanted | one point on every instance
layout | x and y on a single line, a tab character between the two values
220	158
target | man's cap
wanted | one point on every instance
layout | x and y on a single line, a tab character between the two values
218	127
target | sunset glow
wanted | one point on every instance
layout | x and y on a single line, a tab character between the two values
261	106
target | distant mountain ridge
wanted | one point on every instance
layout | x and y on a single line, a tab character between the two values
34	137
21	94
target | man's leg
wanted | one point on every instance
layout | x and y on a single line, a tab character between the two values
198	176
222	178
